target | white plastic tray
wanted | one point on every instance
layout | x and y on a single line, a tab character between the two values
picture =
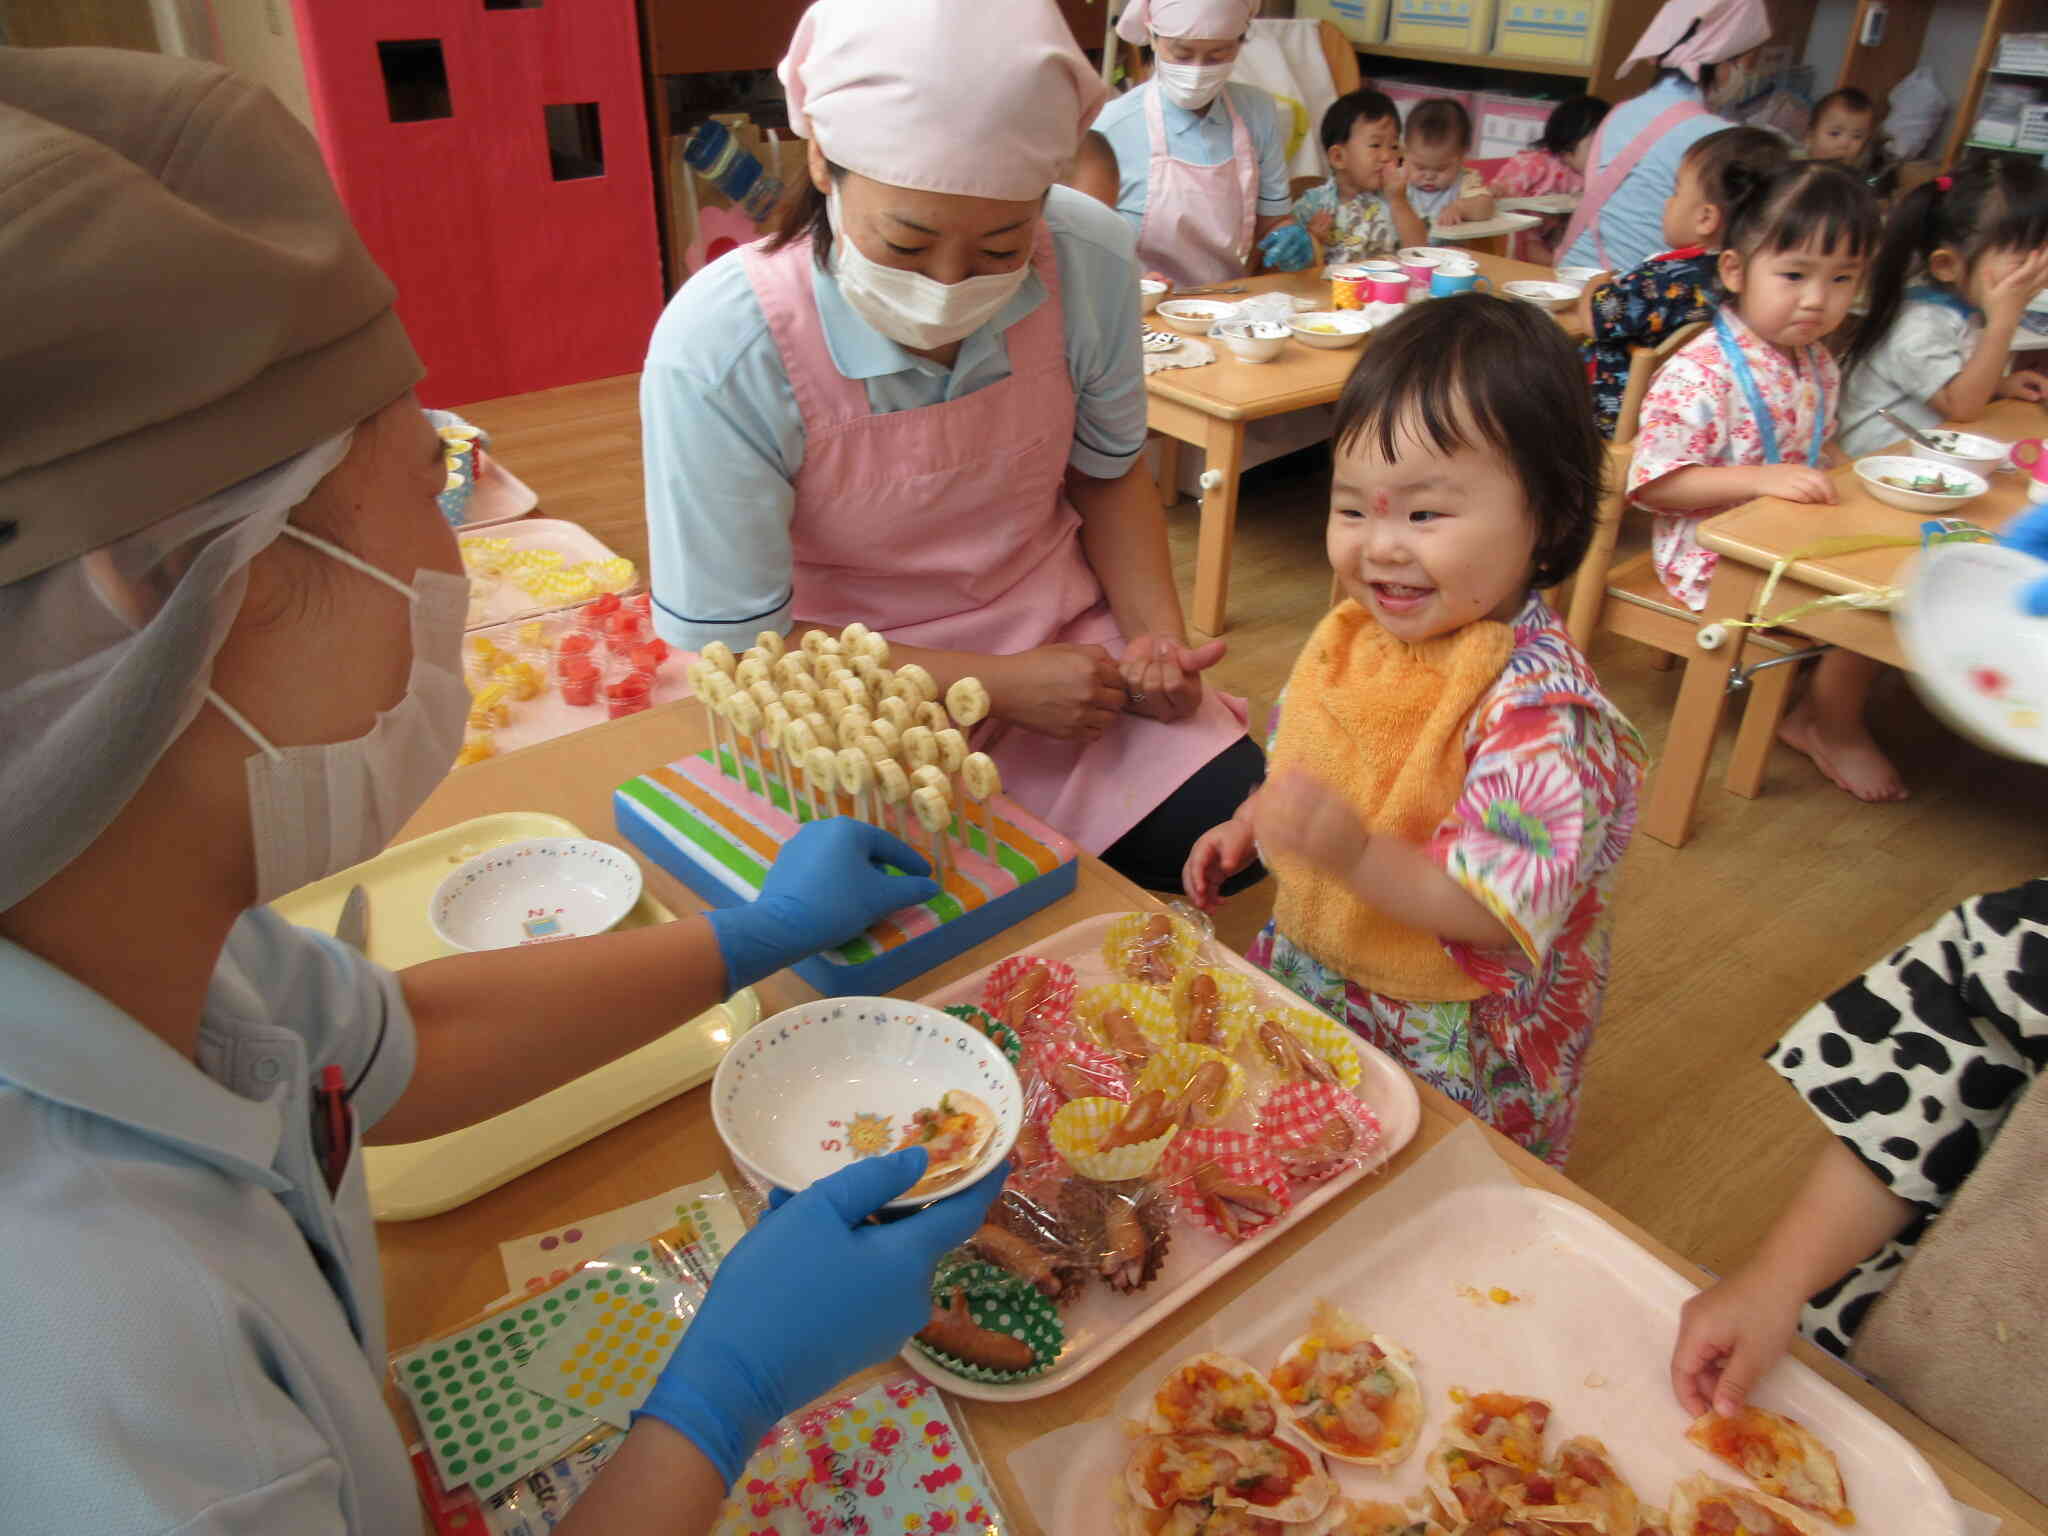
577	546
1482	229
1591	1333
424	1178
1100	1322
1541	202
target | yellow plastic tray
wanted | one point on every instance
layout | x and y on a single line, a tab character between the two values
425	1178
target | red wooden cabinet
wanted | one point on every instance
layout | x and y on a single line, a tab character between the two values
493	153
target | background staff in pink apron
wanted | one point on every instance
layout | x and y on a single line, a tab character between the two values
921	406
1203	164
1633	168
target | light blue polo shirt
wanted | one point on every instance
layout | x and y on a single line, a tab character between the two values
1632	220
722	439
194	1330
1199	138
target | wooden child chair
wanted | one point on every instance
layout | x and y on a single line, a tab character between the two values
1629	599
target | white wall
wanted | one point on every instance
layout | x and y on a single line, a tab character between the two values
1827	40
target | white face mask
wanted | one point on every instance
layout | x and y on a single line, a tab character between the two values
909	308
314	810
1192	86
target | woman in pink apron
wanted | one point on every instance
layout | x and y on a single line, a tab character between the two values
921	405
1204	169
1633	168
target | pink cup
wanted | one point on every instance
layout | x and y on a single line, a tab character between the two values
1420	267
1390	287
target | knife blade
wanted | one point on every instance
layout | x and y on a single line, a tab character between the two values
354	927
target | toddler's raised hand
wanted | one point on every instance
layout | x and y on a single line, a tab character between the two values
1394	178
1796	482
1298	816
2010	294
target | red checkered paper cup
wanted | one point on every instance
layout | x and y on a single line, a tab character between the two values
1073	1068
1233	1158
1313	1130
1053	1010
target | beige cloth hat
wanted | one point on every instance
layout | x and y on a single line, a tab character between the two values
185	303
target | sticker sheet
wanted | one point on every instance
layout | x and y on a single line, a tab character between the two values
889	1460
541	1259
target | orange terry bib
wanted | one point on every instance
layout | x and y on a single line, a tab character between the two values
1383	723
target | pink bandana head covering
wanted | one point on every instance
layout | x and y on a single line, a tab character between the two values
1727	29
928	94
1185	18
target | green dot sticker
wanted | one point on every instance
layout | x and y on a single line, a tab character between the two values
430	1397
418	1367
549	1305
440	1355
641	1256
447	1373
614	1274
457	1465
529	1314
530	1433
484	1480
554	1421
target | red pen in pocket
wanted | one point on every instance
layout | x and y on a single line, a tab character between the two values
333	1129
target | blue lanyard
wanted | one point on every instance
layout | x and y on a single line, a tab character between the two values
1766	429
1927	293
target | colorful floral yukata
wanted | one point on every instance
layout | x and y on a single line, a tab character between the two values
1537	836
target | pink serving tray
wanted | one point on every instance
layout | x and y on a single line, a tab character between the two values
1100	1322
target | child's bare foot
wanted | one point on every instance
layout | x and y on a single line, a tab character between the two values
1847	755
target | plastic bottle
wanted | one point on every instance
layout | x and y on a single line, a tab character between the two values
718	157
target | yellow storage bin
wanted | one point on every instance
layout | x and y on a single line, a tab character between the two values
1454	26
1363	21
1563	31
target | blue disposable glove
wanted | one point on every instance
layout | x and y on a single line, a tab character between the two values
2029	533
828	885
1288	248
807	1298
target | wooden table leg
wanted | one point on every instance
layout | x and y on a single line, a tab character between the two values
1768	693
1169	468
1675	787
1225	447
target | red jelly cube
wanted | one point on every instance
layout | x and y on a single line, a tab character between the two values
574	643
644	602
648	658
603	605
579	690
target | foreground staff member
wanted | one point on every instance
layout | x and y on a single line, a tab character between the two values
214	482
921	405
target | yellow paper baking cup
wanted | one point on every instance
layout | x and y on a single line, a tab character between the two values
1124	930
1170	1070
1235	994
1080	1126
1323	1035
1146	1005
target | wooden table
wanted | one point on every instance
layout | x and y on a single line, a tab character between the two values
1210	407
440	1272
1751	539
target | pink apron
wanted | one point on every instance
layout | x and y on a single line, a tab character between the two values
948	526
1199	218
1600	185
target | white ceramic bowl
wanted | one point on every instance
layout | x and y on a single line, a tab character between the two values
1980	663
1256	341
800	1092
1873	470
1577	277
1965	450
1331	327
1544	295
1194	316
534	892
1151	291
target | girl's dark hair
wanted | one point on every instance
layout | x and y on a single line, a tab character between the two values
1353	108
1569	123
1475	371
1848	98
1734	163
802	213
1810	201
1440	120
1997	203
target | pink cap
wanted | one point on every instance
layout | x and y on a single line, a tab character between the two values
1142	19
929	94
1727	29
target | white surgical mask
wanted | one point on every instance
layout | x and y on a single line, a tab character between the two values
1192	86
318	809
909	308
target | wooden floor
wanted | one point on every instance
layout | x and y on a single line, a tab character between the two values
1718	945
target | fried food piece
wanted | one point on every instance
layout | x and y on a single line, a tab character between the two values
954	1331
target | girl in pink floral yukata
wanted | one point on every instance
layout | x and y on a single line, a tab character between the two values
1451	792
1748	409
